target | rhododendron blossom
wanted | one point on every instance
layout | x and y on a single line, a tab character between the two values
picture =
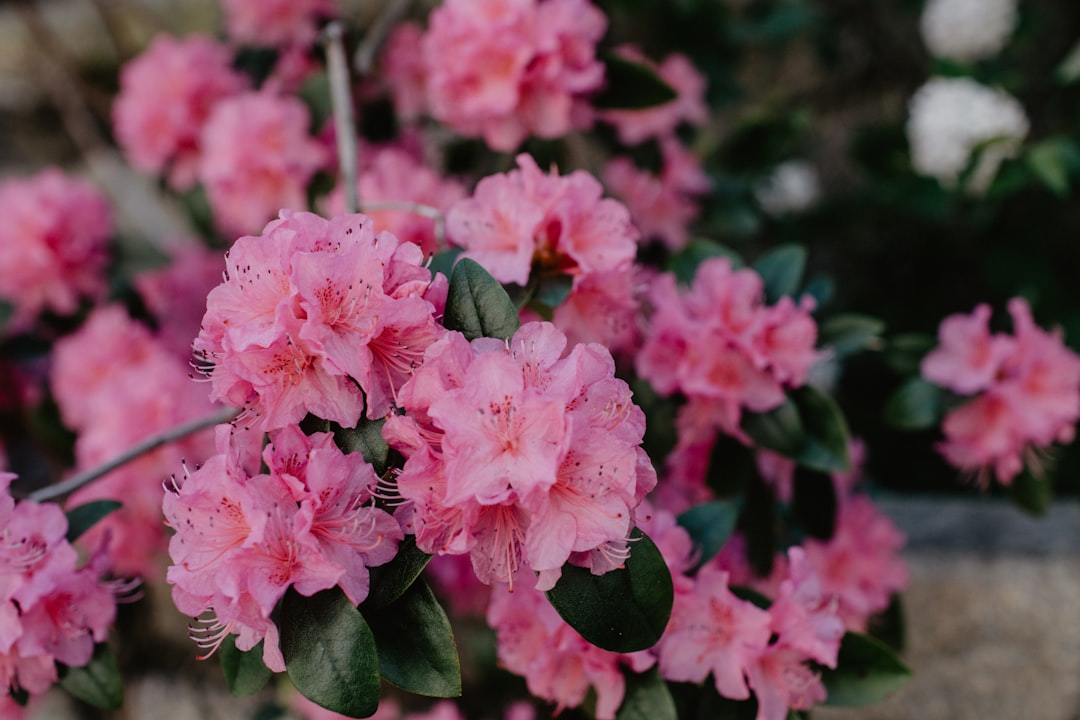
51	610
507	69
313	312
1026	391
242	540
276	23
53	245
257	158
520	456
166	95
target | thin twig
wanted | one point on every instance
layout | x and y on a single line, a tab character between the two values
344	126
428	211
391	15
75	482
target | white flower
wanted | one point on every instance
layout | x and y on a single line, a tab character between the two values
952	117
793	187
967	30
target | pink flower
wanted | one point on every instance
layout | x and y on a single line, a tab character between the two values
861	565
635	126
276	23
520	456
166	96
518	67
662	206
391	176
405	72
257	158
53	245
1028	389
312	313
712	631
557	663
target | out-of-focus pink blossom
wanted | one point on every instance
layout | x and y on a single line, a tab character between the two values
558	664
257	158
166	96
53	245
276	23
662	206
405	72
635	126
176	295
1026	392
507	69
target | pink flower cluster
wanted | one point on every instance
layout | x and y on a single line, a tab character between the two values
313	312
722	347
527	224
276	23
116	384
520	457
51	610
166	96
507	69
1025	388
747	648
53	245
243	539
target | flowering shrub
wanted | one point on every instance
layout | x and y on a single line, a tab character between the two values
524	380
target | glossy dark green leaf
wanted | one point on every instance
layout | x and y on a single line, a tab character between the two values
623	610
443	262
815	503
390	581
366	438
245	673
779	429
82	518
867	672
827	438
685	262
732	467
850	333
647	698
477	305
1032	493
782	270
630	85
97	683
709	525
916	405
330	652
417	651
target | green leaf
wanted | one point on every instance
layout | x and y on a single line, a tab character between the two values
867	672
709	525
916	405
98	682
630	85
827	437
647	698
702	702
779	429
889	625
1032	493
1048	161
245	673
623	610
782	270
417	651
390	581
815	503
553	290
751	595
905	352
7	311
685	262
1068	71
82	518
759	522
330	652
732	467
366	438
443	262
850	333
477	305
